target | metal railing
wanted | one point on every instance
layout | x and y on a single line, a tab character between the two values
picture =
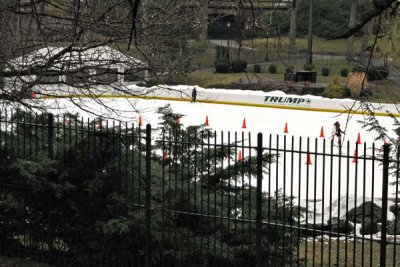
80	192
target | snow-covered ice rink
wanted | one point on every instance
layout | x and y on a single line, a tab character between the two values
326	174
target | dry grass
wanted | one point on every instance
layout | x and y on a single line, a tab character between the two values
320	45
14	262
356	83
357	254
207	78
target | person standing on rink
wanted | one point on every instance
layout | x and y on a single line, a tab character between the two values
194	94
336	131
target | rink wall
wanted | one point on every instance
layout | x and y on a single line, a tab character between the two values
273	99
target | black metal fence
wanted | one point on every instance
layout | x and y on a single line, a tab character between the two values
80	192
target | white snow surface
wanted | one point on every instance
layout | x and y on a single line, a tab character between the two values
339	175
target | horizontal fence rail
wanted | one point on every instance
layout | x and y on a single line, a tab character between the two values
94	192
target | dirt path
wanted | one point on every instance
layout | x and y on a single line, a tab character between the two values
232	44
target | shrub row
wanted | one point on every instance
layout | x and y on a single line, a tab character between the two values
223	66
373	73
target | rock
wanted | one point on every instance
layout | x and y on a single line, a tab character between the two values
318	228
393	228
322	227
370	211
395	209
340	226
369	228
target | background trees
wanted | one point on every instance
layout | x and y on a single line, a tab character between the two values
152	31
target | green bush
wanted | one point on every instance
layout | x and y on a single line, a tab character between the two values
237	66
334	90
372	73
325	72
344	72
243	63
358	68
273	69
383	72
222	66
257	68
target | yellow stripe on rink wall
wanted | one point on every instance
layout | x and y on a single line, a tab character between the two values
232	103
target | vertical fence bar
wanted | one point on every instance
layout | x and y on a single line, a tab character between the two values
299	205
355	204
165	159
371	254
269	199
346	245
229	188
259	199
215	200
291	201
50	135
222	194
323	200
363	201
273	256
396	205
385	184
307	202
314	247
147	198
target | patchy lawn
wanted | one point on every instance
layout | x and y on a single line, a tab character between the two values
383	91
14	262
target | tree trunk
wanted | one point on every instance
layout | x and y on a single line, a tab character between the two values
352	22
293	28
202	33
310	35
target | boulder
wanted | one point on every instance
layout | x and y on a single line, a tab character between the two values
369	228
368	210
393	228
395	209
340	226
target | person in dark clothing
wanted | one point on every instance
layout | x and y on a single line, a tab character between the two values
337	132
166	158
194	94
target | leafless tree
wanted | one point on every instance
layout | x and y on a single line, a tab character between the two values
82	41
379	7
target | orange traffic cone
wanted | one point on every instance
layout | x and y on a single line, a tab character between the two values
206	122
244	124
240	156
358	139
140	123
321	134
286	128
355	157
308	162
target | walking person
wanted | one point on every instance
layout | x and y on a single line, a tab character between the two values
336	131
166	158
194	94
